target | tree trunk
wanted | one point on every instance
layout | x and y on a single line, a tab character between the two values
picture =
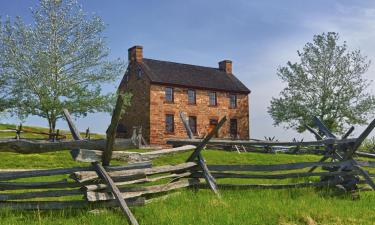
52	127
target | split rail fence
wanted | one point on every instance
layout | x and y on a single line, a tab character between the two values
102	185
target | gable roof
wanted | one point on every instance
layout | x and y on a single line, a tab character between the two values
185	75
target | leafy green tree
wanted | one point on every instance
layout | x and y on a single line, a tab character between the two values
5	102
328	83
59	61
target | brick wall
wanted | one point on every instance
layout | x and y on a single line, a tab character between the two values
138	114
159	108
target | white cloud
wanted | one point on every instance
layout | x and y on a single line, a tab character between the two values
354	24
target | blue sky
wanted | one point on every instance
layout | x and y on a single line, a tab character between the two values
258	36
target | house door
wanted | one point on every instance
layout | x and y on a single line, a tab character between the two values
212	125
233	128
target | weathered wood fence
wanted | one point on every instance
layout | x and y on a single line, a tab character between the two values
130	185
20	130
12	189
289	147
343	168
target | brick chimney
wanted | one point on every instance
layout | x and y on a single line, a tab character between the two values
135	53
226	65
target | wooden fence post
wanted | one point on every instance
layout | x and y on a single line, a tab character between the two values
18	131
346	149
88	135
116	192
134	136
346	135
359	140
139	137
365	175
100	169
316	134
323	128
57	134
197	152
73	129
206	140
185	121
112	130
330	149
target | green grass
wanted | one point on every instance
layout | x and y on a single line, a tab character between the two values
236	207
294	206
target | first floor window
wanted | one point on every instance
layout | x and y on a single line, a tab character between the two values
233	128
169	123
213	124
193	124
169	94
212	98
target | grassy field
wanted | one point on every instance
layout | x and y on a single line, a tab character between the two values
36	129
294	206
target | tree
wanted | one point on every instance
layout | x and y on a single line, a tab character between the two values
328	83
59	61
3	91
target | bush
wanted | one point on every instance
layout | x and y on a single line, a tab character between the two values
368	145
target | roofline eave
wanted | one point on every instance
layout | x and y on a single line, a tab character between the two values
200	88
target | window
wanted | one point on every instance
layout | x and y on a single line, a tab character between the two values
169	94
233	128
139	73
193	124
212	98
232	101
213	124
169	123
127	74
191	96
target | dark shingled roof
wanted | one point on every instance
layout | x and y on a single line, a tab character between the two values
179	74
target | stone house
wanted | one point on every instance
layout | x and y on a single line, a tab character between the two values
162	89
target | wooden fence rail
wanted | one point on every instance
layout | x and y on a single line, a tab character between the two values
276	167
51	172
36	146
69	204
84	155
182	141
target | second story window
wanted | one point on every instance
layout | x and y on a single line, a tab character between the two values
233	101
212	98
169	123
139	73
169	94
191	96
